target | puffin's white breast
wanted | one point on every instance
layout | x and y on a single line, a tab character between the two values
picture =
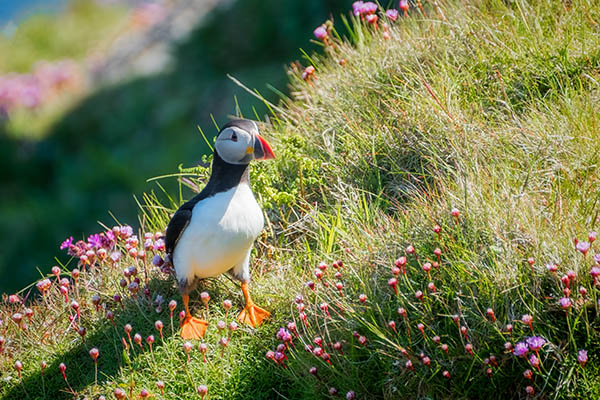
220	234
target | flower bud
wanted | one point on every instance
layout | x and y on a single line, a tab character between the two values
94	353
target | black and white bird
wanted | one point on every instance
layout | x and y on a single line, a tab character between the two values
214	232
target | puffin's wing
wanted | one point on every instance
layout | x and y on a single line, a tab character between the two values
179	221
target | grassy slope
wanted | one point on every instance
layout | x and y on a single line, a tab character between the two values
487	106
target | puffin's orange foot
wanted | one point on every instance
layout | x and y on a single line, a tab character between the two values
193	328
253	315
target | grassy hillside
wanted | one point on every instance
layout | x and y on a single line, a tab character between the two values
448	159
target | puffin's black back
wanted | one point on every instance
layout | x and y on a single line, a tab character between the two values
224	176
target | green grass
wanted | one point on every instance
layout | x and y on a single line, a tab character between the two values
489	107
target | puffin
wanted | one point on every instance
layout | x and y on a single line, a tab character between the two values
214	232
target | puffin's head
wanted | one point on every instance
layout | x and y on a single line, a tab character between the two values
239	143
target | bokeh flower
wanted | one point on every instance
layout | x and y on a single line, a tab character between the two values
67	243
583	247
392	14
320	33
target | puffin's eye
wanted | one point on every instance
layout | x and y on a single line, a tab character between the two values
234	137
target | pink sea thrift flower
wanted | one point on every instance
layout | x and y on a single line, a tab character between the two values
137	338
115	256
357	7
582	357
427	267
392	14
404	6
308	72
469	348
159	245
402	312
94	353
419	295
320	33
521	349
595	273
372	19
527	319
18	366
67	243
530	390
202	391
14	299
44	285
535	343
369	8
565	303
583	247
401	263
534	361
437	229
319	274
393	282
592	236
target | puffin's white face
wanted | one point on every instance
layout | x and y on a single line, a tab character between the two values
238	146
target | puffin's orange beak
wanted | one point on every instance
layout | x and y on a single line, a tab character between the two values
262	149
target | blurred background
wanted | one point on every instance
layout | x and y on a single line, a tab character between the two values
97	96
